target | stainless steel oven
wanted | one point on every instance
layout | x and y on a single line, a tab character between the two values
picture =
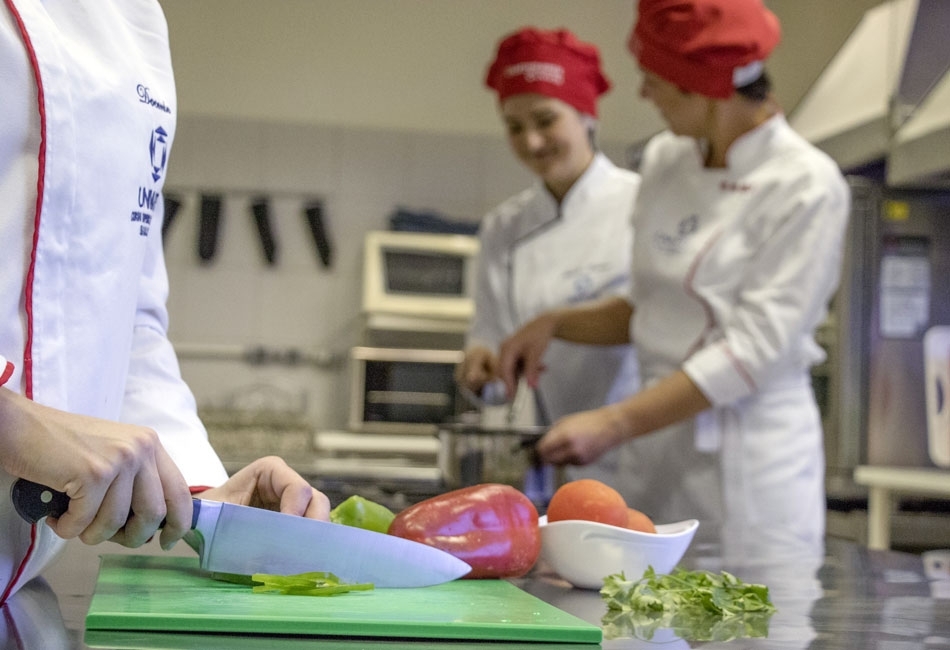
402	390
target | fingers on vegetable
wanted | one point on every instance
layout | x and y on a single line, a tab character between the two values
491	526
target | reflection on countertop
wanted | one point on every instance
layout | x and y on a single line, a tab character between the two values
853	598
32	619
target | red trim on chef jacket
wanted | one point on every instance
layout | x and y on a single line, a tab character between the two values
7	373
19	572
710	315
40	180
12	626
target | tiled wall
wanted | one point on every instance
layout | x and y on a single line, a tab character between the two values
239	301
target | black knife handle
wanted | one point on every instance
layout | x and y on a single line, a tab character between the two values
261	211
33	501
208	224
314	214
172	204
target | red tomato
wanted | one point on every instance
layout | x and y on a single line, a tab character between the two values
637	520
491	526
590	500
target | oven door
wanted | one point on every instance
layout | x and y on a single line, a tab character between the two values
401	390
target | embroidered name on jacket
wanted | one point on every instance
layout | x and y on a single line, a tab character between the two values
145	97
732	186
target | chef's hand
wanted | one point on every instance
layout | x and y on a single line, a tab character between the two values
522	352
479	367
271	484
108	469
582	438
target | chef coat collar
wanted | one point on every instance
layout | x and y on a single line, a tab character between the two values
748	149
746	152
581	189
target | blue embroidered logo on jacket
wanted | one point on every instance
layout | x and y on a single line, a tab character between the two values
672	243
148	195
158	151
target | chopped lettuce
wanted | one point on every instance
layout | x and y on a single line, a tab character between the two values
696	605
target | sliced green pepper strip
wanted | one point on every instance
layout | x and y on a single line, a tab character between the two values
313	583
328	590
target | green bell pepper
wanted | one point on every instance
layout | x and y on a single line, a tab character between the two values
362	513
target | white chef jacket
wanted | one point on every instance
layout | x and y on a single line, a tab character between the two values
536	255
32	619
83	286
733	271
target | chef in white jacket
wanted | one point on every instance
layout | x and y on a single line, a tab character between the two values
740	226
565	239
91	399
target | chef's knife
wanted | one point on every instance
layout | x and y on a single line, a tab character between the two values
244	540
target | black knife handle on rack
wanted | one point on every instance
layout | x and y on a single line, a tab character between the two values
172	204
314	214
208	227
33	501
261	211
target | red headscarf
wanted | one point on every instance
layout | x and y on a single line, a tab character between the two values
709	47
552	63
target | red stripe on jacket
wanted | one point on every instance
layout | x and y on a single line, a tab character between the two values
28	292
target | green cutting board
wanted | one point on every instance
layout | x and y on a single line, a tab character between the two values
171	594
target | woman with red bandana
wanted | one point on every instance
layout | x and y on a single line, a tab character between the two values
740	225
565	239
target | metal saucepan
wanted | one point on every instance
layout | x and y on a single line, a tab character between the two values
472	453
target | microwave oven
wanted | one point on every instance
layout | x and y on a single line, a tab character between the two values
419	281
402	390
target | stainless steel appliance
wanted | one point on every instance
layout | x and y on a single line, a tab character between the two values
417	300
894	289
402	390
389	452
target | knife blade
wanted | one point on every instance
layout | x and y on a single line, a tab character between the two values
242	540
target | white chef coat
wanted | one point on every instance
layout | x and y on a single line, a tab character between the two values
32	619
82	292
536	255
733	271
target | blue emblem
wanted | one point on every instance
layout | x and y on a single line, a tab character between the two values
583	288
158	151
688	226
673	243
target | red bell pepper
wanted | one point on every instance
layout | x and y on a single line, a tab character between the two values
491	526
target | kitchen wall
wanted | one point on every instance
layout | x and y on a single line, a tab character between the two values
418	64
237	301
389	64
367	105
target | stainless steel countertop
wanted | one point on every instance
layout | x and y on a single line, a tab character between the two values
855	599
